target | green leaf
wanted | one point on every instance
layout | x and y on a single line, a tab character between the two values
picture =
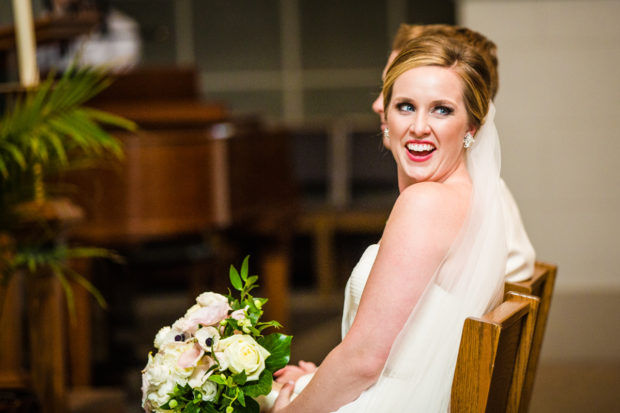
244	268
208	408
251	406
241	398
260	387
235	280
216	378
240	378
279	345
191	408
67	288
111	119
88	286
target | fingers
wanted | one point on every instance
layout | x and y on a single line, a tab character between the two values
284	398
308	366
291	374
284	370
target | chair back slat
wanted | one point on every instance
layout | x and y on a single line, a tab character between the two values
493	357
540	285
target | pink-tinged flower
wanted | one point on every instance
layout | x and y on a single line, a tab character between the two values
201	372
208	316
190	357
238	314
208	299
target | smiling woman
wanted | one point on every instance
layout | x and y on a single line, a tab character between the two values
442	253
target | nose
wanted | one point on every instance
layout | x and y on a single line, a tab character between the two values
377	106
420	126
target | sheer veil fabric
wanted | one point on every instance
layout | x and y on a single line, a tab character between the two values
418	374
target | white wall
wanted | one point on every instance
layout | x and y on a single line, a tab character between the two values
558	114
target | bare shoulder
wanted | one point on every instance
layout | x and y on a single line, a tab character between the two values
432	198
428	212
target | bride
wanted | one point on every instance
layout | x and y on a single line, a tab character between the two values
442	254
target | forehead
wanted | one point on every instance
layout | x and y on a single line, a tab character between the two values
429	81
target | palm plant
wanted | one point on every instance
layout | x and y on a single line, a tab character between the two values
45	131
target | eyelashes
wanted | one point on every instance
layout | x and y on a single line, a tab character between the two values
439	109
405	107
444	110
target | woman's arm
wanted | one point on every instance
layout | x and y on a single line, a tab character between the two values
422	225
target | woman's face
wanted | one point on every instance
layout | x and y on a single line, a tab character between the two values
427	121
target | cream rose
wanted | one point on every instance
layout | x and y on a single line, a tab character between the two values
162	395
156	371
242	353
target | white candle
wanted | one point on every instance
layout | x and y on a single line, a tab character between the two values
26	45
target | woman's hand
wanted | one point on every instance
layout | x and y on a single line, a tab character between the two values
284	398
291	372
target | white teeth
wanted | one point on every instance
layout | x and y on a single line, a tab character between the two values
420	147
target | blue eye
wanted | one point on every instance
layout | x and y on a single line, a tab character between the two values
406	107
444	110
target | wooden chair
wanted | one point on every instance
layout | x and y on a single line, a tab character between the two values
540	285
493	357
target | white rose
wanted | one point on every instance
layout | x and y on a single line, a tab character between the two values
242	352
156	371
209	298
162	395
204	334
209	390
222	360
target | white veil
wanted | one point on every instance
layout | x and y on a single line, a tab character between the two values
418	374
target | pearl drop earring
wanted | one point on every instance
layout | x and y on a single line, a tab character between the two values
386	134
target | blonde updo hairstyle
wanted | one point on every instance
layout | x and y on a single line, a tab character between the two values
483	45
441	51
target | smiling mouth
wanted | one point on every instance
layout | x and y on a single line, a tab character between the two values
420	149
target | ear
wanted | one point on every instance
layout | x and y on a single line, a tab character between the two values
472	129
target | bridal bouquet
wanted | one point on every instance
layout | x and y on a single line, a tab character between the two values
215	358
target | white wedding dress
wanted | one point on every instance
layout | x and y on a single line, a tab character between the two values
417	376
438	304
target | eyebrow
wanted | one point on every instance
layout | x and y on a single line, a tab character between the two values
442	101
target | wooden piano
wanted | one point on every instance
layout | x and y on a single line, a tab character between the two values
190	169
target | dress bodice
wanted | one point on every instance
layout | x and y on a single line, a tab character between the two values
355	286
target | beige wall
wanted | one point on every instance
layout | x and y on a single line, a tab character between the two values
559	120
